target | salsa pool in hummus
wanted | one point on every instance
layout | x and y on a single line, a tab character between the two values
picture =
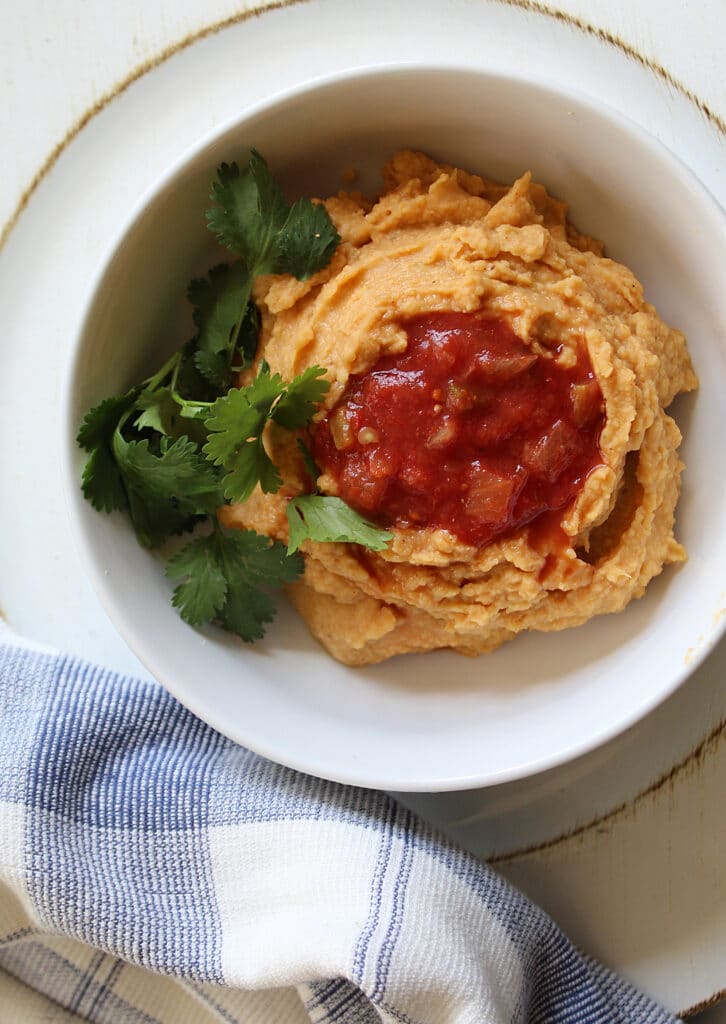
497	400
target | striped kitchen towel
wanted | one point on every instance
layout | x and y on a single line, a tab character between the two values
153	871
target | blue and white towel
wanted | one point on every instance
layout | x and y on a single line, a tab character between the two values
153	871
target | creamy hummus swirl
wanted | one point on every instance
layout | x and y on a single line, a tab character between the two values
439	239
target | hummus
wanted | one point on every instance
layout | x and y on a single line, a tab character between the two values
440	240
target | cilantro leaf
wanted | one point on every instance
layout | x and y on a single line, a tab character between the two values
235	207
254	562
265	389
225	577
308	460
272	211
250	211
191	385
159	412
314	517
100	422
300	399
214	367
307	241
263	560
251	217
250	467
249	334
203	589
235	426
102	484
220	302
179	471
267	471
165	491
247	611
237	420
232	424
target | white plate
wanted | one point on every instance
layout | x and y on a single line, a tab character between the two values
437	721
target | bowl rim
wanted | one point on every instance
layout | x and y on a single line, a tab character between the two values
70	455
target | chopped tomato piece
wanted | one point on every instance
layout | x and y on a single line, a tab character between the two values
489	497
550	455
586	399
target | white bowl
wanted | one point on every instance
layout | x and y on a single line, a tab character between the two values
435	721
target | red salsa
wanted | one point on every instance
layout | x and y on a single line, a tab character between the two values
468	430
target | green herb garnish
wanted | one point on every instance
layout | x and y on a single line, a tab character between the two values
237	420
183	442
314	517
226	576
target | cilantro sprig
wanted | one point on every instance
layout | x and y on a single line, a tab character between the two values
252	218
183	442
237	420
226	577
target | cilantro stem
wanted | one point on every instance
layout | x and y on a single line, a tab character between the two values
190	409
247	295
172	363
174	378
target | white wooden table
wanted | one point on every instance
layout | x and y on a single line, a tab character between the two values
624	848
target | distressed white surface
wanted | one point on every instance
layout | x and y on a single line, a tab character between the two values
658	864
60	56
680	35
647	890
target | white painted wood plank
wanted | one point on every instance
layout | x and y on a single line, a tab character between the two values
646	890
